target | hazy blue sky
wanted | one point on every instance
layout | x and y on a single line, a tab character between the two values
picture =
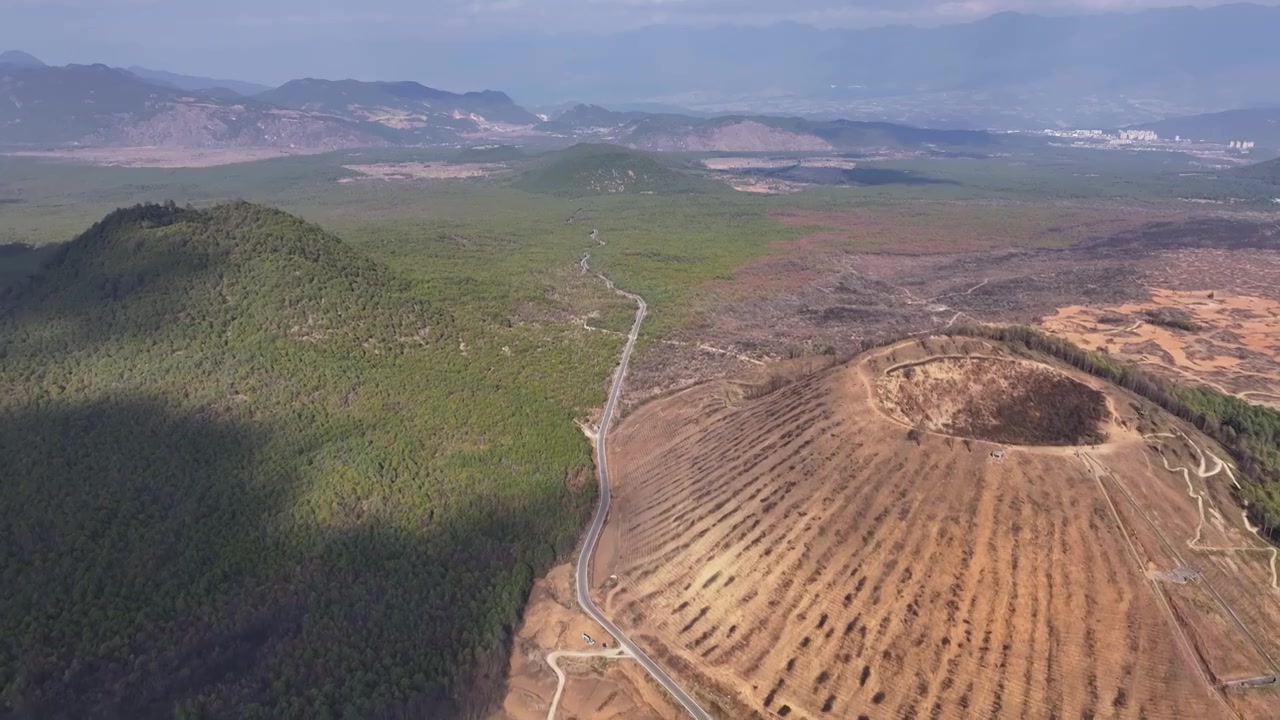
274	40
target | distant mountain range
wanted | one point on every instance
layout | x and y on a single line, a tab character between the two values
96	105
1268	171
91	105
88	105
748	133
196	83
417	112
17	58
1009	71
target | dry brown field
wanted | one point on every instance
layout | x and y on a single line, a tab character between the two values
1234	349
810	551
875	274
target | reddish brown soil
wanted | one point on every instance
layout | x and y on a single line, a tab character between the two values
1233	349
797	554
610	690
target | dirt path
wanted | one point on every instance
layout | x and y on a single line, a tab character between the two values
1098	468
958	294
1232	347
1203	472
553	658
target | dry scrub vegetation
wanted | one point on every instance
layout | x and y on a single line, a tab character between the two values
876	273
805	554
1225	340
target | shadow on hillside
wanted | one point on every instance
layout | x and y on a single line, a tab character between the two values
76	305
161	565
19	263
1206	232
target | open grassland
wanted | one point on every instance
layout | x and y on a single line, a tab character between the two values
160	157
480	242
803	554
926	228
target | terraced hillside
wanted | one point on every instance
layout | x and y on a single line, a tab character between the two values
808	554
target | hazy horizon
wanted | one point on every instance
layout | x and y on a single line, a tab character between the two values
396	40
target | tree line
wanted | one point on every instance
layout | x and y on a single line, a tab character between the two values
1251	433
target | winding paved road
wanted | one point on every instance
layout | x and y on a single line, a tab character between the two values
583	579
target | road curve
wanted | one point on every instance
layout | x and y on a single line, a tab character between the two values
582	576
553	661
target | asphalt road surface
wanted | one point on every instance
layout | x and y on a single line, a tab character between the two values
583	580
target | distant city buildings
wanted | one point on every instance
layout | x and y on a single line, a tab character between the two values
1139	136
1121	136
1079	134
1146	139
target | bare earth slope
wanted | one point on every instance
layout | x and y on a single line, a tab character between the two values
805	554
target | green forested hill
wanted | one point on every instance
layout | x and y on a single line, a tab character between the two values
600	169
247	472
1268	172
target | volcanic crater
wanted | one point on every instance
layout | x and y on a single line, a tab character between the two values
1001	400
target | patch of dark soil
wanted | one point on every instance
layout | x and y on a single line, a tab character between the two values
864	290
1002	401
1209	232
846	313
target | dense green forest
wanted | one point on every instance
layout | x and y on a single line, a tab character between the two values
250	473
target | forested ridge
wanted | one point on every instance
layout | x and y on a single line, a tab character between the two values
247	473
